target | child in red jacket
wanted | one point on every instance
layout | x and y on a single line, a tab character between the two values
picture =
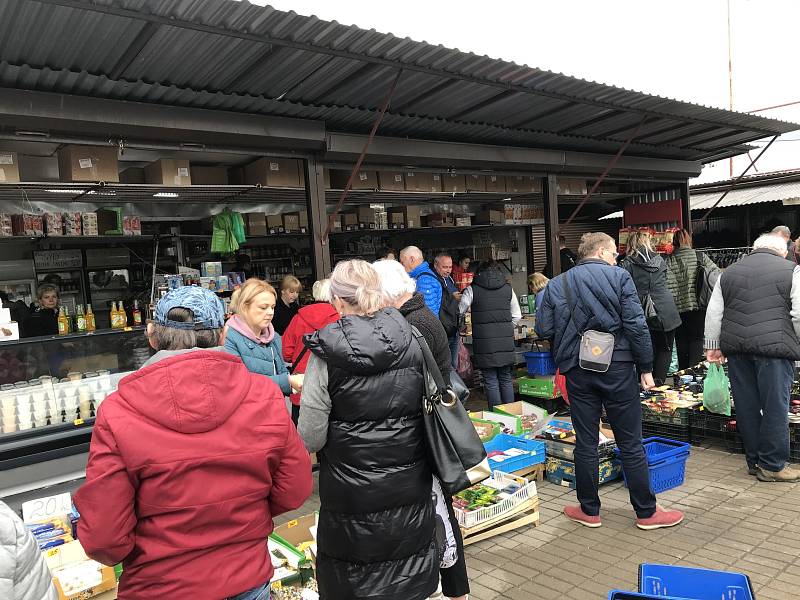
189	462
309	319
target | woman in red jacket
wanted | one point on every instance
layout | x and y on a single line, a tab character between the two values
190	460
309	319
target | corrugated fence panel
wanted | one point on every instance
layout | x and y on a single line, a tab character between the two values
572	233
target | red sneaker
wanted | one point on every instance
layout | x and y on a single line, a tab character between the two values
661	518
575	513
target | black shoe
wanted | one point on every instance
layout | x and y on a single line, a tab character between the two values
752	471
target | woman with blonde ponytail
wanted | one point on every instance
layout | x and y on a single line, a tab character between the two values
361	412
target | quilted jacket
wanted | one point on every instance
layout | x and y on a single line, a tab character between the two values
604	298
429	286
682	276
266	359
23	572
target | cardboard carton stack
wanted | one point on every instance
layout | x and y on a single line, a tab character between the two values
88	164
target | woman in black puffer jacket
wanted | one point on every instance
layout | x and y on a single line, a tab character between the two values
649	273
361	412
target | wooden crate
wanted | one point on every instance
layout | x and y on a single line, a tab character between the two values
525	514
532	473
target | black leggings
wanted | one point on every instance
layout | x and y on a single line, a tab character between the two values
662	353
689	338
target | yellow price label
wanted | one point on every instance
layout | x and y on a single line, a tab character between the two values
77	422
127	329
276	585
292	523
52	552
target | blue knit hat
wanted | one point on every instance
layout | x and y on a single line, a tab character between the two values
208	310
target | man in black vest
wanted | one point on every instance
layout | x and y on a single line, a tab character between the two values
753	320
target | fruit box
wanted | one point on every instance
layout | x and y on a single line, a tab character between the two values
532	418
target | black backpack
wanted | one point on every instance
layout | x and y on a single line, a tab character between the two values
707	277
449	314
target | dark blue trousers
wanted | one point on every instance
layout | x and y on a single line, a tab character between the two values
761	388
618	391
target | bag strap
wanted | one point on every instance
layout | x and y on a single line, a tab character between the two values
568	293
298	359
429	365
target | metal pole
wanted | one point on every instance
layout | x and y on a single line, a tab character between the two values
317	217
550	189
730	75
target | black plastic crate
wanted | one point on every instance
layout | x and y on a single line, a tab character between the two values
711	427
679	433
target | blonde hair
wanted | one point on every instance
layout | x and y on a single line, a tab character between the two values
638	240
357	283
395	282
291	283
537	282
245	295
321	290
592	242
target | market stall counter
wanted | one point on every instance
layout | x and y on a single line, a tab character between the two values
51	387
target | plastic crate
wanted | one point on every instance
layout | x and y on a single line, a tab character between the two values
562	472
566	451
625	595
693	583
540	363
656	414
538	387
666	461
535	450
527	491
681	433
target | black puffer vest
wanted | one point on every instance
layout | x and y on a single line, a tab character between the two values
492	329
376	523
757	320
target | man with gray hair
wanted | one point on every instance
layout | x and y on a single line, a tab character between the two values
786	233
428	283
753	320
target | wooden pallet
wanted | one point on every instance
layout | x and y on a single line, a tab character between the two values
525	514
532	473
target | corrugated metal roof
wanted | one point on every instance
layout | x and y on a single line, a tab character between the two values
231	55
776	192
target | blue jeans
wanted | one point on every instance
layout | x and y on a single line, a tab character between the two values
617	390
499	385
454	349
257	593
761	388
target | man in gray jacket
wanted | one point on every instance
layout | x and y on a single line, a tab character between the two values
753	320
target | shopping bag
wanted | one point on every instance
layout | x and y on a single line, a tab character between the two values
464	368
716	391
561	384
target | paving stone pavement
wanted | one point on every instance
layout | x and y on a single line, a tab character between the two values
733	522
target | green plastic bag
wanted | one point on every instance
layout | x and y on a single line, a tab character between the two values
717	391
238	228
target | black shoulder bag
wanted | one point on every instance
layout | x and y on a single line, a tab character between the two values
455	450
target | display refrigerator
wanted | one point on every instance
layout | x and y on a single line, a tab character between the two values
63	269
18	280
50	390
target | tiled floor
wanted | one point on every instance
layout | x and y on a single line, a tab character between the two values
733	522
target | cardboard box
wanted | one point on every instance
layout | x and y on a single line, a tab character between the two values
168	172
202	175
132	175
6	225
440	219
9	167
255	224
27	224
392	181
109	221
335	222
490	217
476	183
423	182
523	184
364	180
366	217
463	221
495	183
211	269
300	532
88	163
571	187
296	222
349	220
54	224
236	176
274	172
454	183
69	564
407	215
275	224
89	223
73	224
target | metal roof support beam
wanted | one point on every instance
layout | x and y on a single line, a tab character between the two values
116	10
547	113
683	136
480	105
317	217
686	206
604	117
550	191
141	40
425	95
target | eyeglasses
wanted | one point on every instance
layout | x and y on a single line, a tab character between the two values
613	253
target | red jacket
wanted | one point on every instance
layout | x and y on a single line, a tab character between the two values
190	459
309	319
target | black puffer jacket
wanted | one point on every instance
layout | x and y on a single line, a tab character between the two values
649	272
492	328
376	522
420	316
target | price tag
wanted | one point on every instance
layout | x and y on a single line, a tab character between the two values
43	508
77	422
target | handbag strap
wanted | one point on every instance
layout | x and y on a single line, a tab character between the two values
429	365
298	359
568	293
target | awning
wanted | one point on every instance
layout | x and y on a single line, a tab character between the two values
776	192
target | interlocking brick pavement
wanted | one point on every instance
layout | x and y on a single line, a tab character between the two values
733	522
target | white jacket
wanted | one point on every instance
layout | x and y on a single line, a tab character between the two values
23	573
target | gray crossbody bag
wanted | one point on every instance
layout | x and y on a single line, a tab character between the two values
596	348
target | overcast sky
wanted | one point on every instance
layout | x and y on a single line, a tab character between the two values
675	48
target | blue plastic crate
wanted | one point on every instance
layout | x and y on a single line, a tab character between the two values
666	461
540	363
625	595
669	581
535	452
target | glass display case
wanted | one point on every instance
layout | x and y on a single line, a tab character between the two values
51	387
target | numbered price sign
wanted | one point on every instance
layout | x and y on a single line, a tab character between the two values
43	508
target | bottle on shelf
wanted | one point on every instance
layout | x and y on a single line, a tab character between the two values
137	314
70	326
80	320
123	316
91	324
113	316
63	322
